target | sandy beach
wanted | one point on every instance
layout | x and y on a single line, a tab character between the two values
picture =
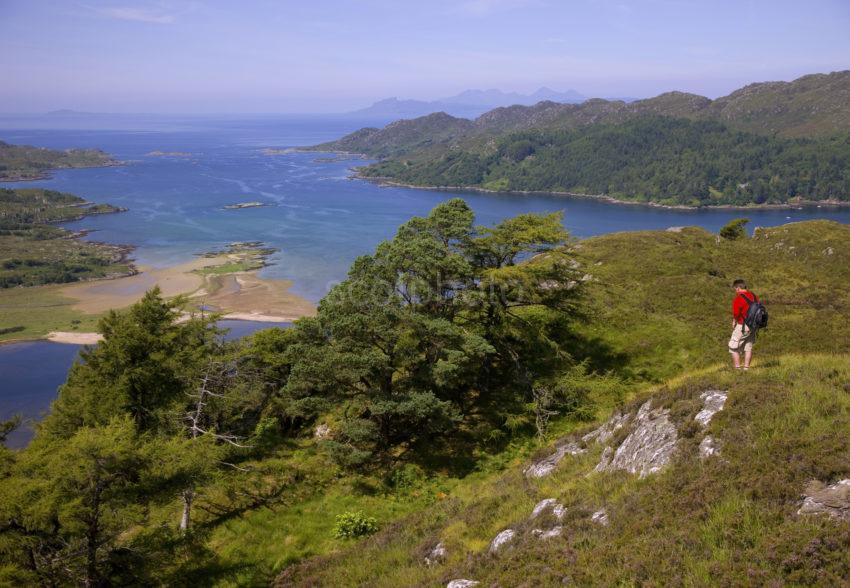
239	296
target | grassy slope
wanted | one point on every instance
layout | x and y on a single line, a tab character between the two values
636	337
725	521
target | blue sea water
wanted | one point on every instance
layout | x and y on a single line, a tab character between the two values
317	216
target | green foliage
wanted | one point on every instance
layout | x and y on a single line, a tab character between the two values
647	159
351	525
33	252
437	319
734	229
24	162
140	368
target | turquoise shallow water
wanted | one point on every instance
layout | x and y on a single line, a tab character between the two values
317	216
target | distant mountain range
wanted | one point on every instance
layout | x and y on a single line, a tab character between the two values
467	104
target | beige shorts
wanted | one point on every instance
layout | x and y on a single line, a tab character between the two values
742	340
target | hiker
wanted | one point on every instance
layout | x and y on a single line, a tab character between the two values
743	330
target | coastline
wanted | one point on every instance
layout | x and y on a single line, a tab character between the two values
387	181
46	174
240	295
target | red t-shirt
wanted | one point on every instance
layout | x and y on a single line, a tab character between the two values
741	306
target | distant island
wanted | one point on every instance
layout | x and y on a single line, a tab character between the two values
241	205
470	103
25	162
773	143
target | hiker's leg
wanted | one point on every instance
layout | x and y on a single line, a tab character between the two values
736	359
748	356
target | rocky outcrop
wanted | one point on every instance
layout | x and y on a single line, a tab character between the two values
462	583
556	507
501	540
600	517
436	555
546	466
650	445
550	534
832	500
708	447
605	432
713	402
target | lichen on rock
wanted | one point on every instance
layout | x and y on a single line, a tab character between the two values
546	466
650	445
501	540
832	500
713	402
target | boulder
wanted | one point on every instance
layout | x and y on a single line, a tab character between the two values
708	447
322	432
557	508
550	534
650	445
546	466
832	500
501	540
462	583
600	517
436	555
713	402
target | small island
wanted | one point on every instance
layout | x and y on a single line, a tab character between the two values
25	162
240	205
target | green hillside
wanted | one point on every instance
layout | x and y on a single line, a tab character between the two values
342	451
649	159
34	252
24	162
767	143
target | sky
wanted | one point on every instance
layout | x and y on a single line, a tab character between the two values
266	56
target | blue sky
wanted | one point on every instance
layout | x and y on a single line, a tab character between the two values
336	55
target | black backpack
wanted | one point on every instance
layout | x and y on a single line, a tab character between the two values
756	314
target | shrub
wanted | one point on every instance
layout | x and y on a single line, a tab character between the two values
734	229
354	524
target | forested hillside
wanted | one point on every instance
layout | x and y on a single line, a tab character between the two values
775	142
408	406
650	159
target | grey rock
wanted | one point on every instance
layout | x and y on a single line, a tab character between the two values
462	583
674	229
650	445
605	460
322	432
501	540
606	430
436	555
829	251
546	466
550	534
557	508
600	517
713	402
832	500
708	447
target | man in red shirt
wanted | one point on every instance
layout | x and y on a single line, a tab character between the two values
742	336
